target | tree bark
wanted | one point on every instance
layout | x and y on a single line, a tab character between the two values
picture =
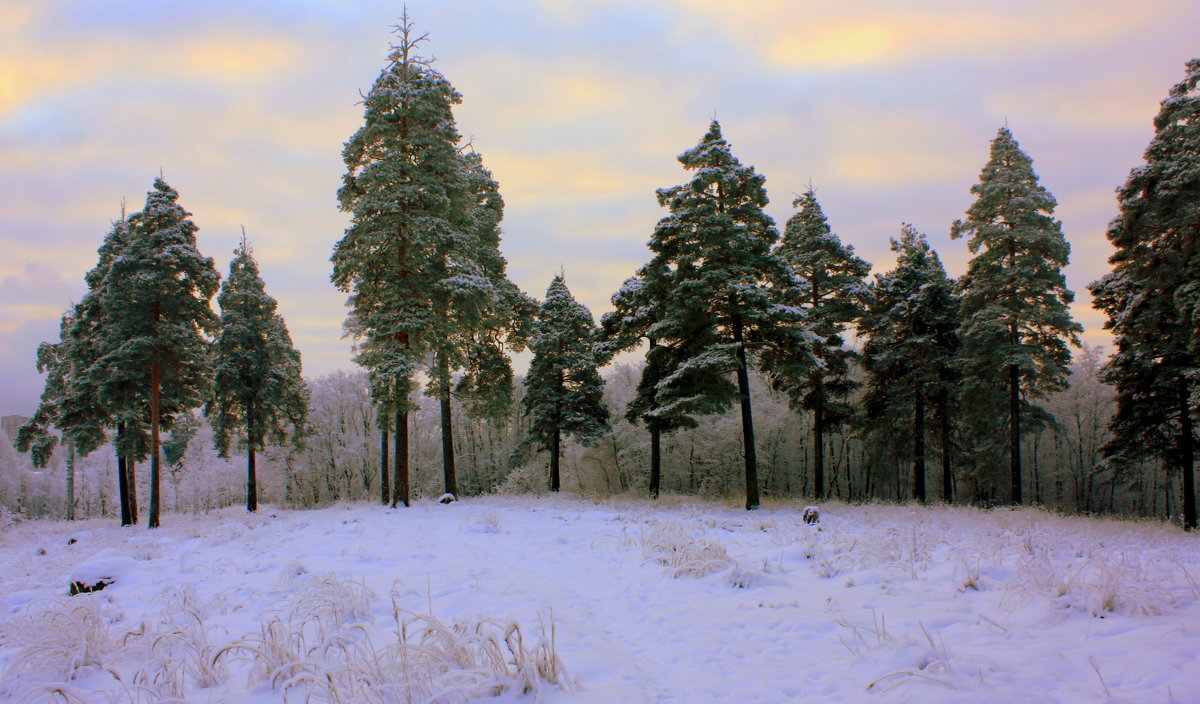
131	478
655	461
70	480
743	377
819	449
947	475
401	478
1187	457
123	480
555	449
384	466
155	407
1014	440
919	448
448	473
251	478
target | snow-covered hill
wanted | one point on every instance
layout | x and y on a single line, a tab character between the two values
521	599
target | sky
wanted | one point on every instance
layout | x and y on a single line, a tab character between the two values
579	107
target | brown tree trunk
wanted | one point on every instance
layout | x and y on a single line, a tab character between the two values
448	472
919	448
251	479
401	478
555	449
155	407
743	376
1187	458
123	480
384	467
1014	440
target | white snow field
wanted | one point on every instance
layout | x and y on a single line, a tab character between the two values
562	600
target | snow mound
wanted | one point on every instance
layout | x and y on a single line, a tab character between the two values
104	568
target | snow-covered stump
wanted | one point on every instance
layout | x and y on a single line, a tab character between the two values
103	569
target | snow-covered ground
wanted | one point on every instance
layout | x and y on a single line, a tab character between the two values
618	602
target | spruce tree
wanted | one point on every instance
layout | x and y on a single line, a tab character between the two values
911	353
155	330
1015	319
564	394
420	258
832	292
725	298
1152	296
258	390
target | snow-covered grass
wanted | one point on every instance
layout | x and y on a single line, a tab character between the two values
559	600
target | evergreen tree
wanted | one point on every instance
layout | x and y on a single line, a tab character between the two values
84	416
563	390
34	436
420	258
832	291
726	291
155	329
1015	319
258	388
1152	296
911	352
637	309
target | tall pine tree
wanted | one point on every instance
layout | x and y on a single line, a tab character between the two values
564	394
1016	323
155	330
911	353
1152	296
832	292
258	390
725	298
54	359
85	416
419	258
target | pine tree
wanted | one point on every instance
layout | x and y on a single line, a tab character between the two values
637	308
155	329
563	391
84	416
1152	295
258	389
1016	323
832	291
34	436
726	292
911	352
420	258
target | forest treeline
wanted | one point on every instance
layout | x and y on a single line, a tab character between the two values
774	364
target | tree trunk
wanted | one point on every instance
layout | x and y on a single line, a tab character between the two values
251	478
401	478
447	430
155	407
1014	440
743	377
384	467
70	480
919	448
944	422
1187	458
819	451
655	462
555	449
131	479
123	480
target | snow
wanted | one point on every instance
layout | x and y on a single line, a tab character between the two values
670	602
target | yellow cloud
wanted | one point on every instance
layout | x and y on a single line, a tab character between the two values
236	58
836	47
25	79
